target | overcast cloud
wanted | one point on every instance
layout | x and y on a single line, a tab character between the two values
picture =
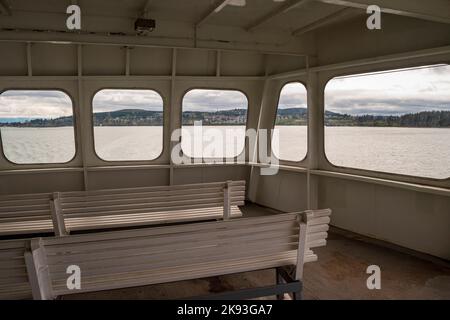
213	100
293	95
34	104
392	93
113	100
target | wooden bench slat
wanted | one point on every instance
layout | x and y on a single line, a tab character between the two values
21	197
156	188
25	207
239	235
14	282
149	210
22	214
208	229
150	204
179	274
157	218
127	194
41	215
12	244
18	202
15	228
115	235
150	263
318	228
178	248
203	252
144	200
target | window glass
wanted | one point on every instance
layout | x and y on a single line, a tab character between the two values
396	121
128	124
290	140
36	126
222	115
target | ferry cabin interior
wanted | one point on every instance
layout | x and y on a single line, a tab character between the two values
397	220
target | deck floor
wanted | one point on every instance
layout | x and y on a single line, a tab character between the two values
340	273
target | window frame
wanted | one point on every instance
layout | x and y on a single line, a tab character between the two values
214	160
368	172
163	149
307	122
74	125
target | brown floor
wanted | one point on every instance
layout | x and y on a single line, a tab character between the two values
340	273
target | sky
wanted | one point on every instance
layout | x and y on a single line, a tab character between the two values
112	100
212	100
34	104
293	95
393	93
384	93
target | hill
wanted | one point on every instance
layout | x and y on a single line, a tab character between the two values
291	116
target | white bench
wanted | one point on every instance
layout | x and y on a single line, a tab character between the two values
87	210
139	257
14	282
25	214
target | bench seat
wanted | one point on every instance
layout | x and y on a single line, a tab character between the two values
63	212
14	282
155	218
121	259
117	208
25	214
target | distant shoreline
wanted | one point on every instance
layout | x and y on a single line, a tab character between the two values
238	117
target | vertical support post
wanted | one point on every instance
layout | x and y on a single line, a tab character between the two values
170	113
127	61
227	201
59	225
81	114
218	63
255	172
37	269
315	135
29	60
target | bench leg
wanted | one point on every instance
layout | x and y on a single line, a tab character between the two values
283	275
279	280
299	294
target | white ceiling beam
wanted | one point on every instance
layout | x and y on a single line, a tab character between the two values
323	21
289	5
4	8
216	8
430	10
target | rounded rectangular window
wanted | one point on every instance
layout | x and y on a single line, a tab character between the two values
290	137
213	123
394	121
37	126
128	124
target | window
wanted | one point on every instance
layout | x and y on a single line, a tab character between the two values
222	115
396	121
290	140
36	126
128	124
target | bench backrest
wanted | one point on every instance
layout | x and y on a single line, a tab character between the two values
146	200
29	213
140	257
14	282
